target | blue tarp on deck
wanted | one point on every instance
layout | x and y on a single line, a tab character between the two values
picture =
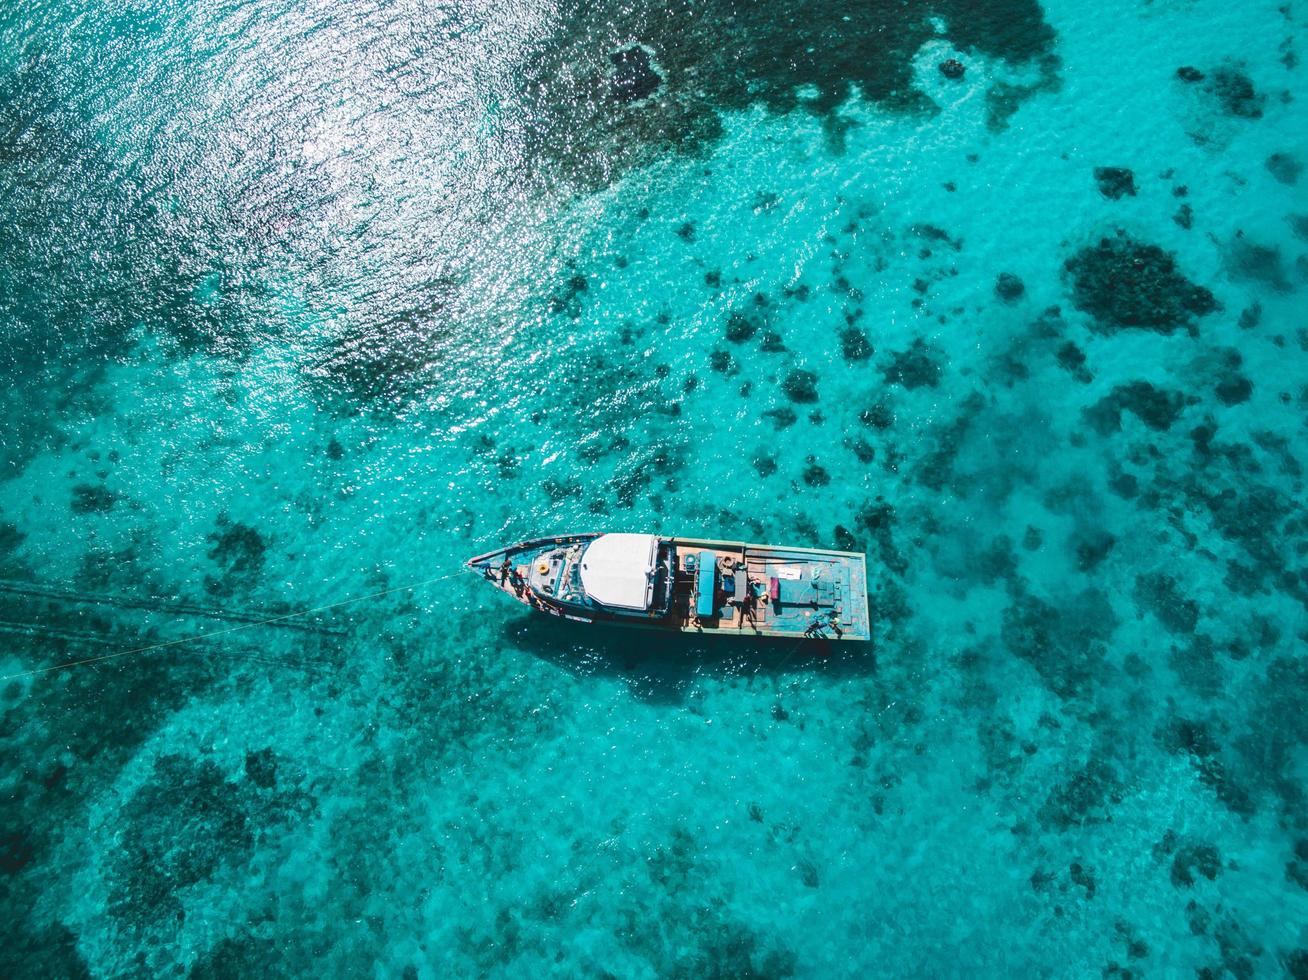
704	606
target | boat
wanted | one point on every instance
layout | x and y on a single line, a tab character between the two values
687	585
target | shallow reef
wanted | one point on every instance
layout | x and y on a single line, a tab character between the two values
1006	295
598	127
1124	283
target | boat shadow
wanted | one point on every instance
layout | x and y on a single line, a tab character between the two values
664	667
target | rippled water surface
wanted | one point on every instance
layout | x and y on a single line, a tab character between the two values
306	301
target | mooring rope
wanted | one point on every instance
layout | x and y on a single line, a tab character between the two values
154	605
229	629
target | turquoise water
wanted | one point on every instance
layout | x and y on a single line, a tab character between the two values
306	301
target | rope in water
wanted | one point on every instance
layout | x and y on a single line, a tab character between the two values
229	629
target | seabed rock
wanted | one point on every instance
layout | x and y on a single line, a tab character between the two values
952	68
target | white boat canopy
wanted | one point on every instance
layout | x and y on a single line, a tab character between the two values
618	570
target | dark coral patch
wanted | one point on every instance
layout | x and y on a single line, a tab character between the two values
1193	860
1156	408
741	326
723	362
1235	93
1161	594
380	362
1091	546
1296	870
934	233
877	519
1086	796
47	952
1083	877
16	851
237	547
878	416
781	418
1003	99
816	475
1064	641
92	499
261	768
181	828
1234	390
239	552
1284	167
1256	262
1115	182
854	344
1296	964
861	448
1136	948
843	539
243	956
1124	283
1280	734
917	367
1197	667
1071	359
1009	287
10	539
800	386
568	298
634	77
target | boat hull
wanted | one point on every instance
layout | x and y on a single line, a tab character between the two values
714	587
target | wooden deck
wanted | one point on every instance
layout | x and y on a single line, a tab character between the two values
801	584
